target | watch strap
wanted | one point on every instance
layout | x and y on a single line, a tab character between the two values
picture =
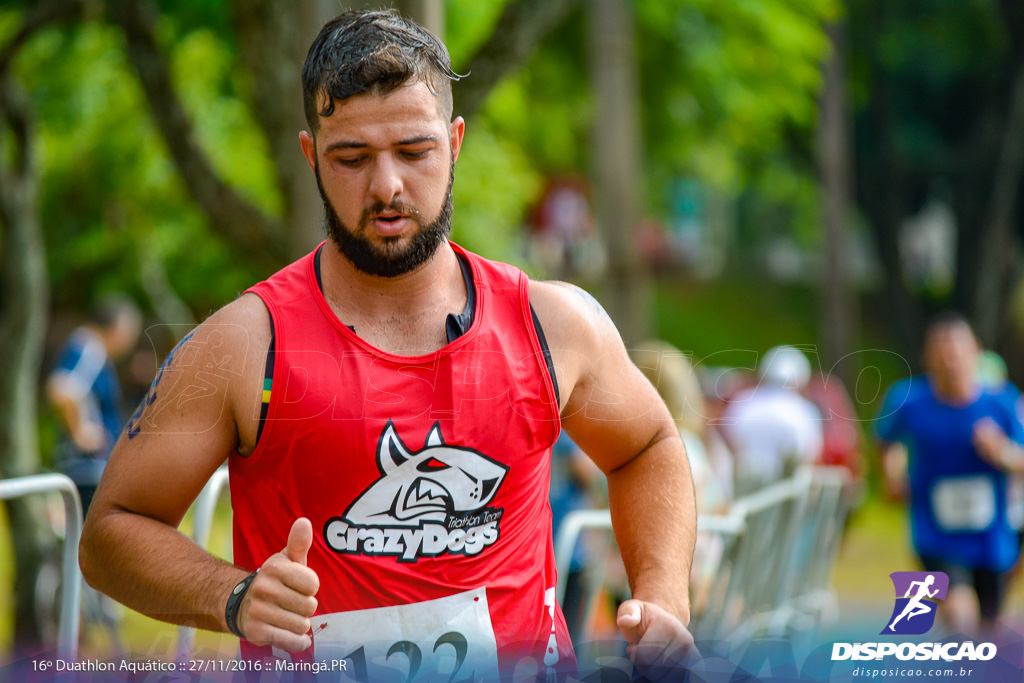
235	603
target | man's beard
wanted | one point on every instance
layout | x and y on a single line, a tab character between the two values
389	259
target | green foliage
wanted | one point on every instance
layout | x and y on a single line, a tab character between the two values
468	23
109	189
726	89
494	183
728	96
936	67
204	68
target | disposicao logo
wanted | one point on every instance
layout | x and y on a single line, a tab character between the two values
914	612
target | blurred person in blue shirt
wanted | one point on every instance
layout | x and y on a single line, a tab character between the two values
961	442
86	394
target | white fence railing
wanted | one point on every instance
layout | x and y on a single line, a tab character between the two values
762	568
71	575
202	522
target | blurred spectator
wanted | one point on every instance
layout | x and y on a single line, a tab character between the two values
573	478
563	238
771	428
961	442
841	444
86	394
668	369
992	372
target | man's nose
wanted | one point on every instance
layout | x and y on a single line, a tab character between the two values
386	181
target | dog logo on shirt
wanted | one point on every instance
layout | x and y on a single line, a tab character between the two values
425	504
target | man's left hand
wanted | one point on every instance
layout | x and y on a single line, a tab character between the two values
659	643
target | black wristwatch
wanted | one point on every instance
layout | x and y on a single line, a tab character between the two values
235	602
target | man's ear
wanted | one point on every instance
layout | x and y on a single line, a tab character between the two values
308	145
458	128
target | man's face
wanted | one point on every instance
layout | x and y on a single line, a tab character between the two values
384	167
951	354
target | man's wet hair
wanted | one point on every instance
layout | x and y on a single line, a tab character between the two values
375	52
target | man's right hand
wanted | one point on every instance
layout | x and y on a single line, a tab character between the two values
894	470
282	598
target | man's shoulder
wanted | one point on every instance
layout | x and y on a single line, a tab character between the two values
243	317
910	392
571	316
232	338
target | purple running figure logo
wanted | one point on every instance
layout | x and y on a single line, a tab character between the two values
917	594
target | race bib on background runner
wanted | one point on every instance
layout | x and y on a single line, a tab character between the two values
448	639
964	503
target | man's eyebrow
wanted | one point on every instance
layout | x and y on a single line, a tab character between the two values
418	140
345	144
355	144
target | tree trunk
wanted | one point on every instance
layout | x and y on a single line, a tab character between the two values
617	163
881	194
1000	250
274	37
24	298
837	301
427	13
262	238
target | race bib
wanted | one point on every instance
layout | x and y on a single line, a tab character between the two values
964	503
448	639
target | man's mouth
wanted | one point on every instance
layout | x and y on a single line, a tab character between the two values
389	224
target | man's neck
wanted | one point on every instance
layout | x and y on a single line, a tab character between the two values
953	392
433	290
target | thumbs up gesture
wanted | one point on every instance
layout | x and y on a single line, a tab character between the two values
277	608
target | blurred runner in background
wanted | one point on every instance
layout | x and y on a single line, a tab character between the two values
86	394
961	443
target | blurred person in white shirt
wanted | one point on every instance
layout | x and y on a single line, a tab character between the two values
771	428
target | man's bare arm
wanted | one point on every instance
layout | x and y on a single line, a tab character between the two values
614	414
205	395
894	468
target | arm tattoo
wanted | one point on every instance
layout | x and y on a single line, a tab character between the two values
135	423
589	298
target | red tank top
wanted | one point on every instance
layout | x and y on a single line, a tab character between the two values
424	476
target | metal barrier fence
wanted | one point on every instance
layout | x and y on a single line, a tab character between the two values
762	568
71	576
202	522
